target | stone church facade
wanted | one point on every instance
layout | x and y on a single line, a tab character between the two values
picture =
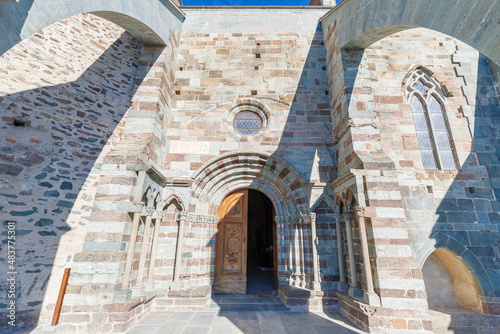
134	165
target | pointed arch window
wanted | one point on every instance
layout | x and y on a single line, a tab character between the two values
427	105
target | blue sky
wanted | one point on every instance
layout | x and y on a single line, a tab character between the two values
245	2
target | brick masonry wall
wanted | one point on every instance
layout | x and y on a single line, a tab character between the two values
71	84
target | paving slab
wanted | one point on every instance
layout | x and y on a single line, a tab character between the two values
238	322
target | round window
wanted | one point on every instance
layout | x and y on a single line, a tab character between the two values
247	123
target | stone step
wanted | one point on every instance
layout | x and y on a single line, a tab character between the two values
455	319
247	303
248	307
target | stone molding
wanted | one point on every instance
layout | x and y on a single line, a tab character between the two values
195	218
301	218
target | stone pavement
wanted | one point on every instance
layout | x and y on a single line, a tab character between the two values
247	322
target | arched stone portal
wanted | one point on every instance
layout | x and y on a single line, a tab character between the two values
282	185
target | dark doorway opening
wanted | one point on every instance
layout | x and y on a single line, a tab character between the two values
261	246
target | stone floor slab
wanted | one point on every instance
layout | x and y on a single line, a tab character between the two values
236	322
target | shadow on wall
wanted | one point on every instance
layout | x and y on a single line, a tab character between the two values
65	91
307	144
468	218
13	16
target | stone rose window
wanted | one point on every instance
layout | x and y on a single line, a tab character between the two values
247	123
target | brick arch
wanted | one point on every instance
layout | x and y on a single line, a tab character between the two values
150	21
270	175
363	22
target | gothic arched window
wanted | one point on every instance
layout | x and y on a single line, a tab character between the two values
427	105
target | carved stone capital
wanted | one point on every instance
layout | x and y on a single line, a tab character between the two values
360	211
349	216
157	214
147	211
182	216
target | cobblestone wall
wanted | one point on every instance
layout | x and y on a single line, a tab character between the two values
64	90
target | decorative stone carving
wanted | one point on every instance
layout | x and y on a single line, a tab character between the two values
367	309
147	211
360	211
194	218
157	214
182	216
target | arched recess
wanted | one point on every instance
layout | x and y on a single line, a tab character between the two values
470	281
464	287
237	170
362	23
150	21
326	201
172	198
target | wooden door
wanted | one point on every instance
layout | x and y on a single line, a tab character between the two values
231	252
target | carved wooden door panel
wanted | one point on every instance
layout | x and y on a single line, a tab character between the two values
231	252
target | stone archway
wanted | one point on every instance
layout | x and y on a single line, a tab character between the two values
150	21
281	184
362	23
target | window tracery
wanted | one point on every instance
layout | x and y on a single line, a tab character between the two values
427	104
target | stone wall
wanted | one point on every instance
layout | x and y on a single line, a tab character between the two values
260	59
416	210
126	188
64	91
232	60
456	203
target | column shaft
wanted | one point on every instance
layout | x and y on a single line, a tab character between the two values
178	254
152	260
145	242
131	250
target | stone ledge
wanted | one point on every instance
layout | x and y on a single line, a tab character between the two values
383	319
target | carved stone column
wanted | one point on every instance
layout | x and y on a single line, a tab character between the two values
139	287
157	216
369	296
125	294
296	251
342	284
315	285
354	290
302	246
182	217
